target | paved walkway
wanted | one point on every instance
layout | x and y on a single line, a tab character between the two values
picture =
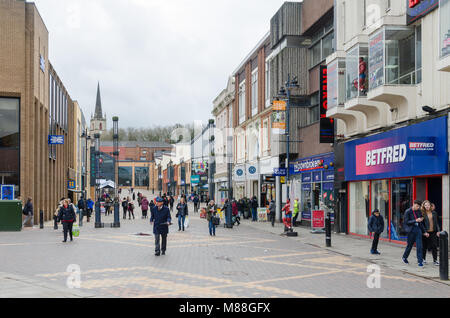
252	260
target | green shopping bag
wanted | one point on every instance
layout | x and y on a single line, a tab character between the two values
76	230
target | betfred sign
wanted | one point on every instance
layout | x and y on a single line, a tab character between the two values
415	150
417	9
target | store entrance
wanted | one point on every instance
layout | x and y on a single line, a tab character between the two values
430	189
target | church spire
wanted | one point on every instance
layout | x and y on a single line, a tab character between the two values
98	104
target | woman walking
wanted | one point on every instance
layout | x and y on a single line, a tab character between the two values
67	217
28	211
144	207
211	212
430	241
131	208
182	209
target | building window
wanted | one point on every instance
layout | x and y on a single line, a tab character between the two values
314	110
380	200
125	176
356	71
242	102
444	22
141	177
322	44
359	207
10	143
255	93
268	101
395	56
336	83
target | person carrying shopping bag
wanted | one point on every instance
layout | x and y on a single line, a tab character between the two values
211	212
67	217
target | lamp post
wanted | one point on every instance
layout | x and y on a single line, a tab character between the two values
84	185
286	92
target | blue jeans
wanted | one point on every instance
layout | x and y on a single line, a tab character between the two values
254	214
415	236
181	219
212	228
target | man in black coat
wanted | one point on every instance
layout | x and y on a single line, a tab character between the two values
161	220
376	226
413	225
125	208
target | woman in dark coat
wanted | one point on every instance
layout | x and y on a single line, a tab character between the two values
131	209
28	211
67	217
182	209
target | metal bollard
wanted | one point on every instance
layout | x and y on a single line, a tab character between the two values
443	255
98	216
80	215
116	223
328	229
41	219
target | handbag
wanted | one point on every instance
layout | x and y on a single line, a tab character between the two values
76	230
215	220
186	222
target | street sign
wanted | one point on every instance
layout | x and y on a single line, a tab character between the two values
280	172
71	185
55	140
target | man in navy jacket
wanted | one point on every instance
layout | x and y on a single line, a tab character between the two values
413	225
161	220
376	226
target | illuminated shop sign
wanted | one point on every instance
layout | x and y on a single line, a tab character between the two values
415	150
417	9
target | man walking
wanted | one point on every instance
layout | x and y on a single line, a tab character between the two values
413	225
125	208
28	212
376	226
195	203
272	212
254	207
161	220
82	208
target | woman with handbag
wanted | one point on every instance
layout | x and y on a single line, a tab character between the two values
67	217
182	213
211	212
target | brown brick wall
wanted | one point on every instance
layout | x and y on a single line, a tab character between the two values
313	10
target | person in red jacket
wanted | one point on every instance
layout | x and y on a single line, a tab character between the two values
287	220
235	212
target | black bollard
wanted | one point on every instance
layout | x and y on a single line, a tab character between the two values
116	223
328	229
443	255
98	216
41	219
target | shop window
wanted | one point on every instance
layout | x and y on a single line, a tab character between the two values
10	143
306	199
402	197
356	72
359	207
380	201
141	176
444	21
395	56
336	83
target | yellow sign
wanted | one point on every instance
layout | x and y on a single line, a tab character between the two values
279	105
283	180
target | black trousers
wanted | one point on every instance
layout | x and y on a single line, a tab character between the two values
376	239
125	212
144	213
160	247
272	218
67	227
430	243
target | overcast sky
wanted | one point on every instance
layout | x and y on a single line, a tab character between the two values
158	62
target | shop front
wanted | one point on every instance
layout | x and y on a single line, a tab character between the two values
313	184
390	170
267	177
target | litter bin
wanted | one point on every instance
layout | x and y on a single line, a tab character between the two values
10	216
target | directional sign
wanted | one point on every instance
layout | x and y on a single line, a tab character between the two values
55	140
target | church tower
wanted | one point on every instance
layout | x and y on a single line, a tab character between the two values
98	121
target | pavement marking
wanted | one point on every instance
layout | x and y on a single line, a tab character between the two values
283	255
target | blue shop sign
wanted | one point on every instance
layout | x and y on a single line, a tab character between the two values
312	164
416	150
306	215
317	176
306	187
55	140
328	176
307	177
280	172
195	179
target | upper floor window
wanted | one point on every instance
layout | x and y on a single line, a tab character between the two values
322	44
267	95
444	33
242	102
255	92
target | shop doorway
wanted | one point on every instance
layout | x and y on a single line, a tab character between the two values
430	188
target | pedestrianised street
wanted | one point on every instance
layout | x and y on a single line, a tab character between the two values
248	261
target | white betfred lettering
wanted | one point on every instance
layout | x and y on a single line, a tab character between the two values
402	153
387	155
395	155
368	159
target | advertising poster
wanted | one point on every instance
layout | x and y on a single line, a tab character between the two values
7	192
262	214
326	124
376	65
318	220
279	117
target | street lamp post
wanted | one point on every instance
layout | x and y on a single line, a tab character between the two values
84	185
289	85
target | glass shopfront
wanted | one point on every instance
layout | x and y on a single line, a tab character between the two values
317	183
125	176
390	170
141	176
10	143
336	83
